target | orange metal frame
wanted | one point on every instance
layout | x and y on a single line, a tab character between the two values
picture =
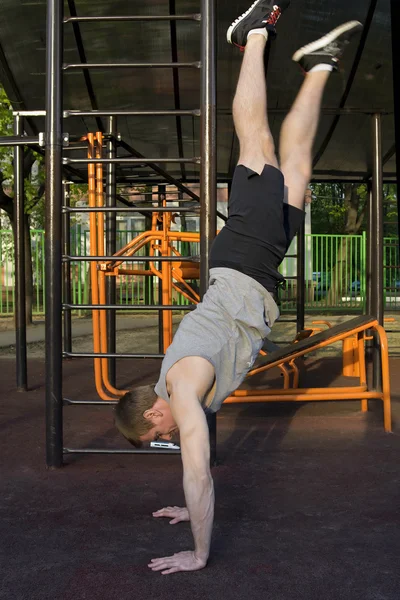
161	241
353	353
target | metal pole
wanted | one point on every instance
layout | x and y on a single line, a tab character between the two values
19	232
377	300
66	224
377	220
208	176
111	243
301	277
54	142
161	195
370	251
395	19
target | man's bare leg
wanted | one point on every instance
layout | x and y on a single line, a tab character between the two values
318	60
250	109
298	135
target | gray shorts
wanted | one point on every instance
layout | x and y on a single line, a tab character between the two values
227	328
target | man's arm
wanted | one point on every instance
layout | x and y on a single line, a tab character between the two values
197	481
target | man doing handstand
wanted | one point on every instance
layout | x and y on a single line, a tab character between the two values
217	344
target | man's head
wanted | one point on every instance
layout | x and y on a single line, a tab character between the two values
141	416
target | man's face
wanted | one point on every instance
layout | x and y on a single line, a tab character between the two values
164	426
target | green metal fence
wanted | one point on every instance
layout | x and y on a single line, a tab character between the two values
335	273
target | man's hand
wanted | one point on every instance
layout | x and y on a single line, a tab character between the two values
177	514
183	561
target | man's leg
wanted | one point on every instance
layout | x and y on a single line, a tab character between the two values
250	109
318	60
298	134
250	31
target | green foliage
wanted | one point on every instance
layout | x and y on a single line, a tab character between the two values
34	182
330	209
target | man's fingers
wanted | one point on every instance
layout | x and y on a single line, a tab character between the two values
173	570
175	521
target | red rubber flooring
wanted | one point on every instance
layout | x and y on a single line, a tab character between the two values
307	501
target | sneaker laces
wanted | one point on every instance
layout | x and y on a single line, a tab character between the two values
274	16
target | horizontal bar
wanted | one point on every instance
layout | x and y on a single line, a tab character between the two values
220	111
131	113
13	140
167	65
116	451
129	161
188	17
108	355
69	402
127	209
127	307
66	258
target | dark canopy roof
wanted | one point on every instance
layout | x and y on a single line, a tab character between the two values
343	146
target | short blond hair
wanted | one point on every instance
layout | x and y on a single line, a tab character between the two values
129	413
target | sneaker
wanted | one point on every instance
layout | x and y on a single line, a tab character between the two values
262	14
328	49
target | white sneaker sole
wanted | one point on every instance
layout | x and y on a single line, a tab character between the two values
327	39
239	19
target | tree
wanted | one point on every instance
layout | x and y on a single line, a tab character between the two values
342	209
34	192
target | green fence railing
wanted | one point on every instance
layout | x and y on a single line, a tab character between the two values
334	271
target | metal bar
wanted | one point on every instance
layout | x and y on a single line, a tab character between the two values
175	78
128	161
377	305
108	355
131	258
82	58
125	209
20	291
66	224
377	300
301	277
161	65
161	196
69	402
111	244
395	19
54	144
19	140
127	307
112	451
111	18
208	175
166	176
220	111
131	113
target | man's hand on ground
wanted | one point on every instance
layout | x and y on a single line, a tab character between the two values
183	561
177	514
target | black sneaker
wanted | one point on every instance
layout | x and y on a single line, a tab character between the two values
328	49
261	14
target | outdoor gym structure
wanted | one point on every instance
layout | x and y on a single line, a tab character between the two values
183	151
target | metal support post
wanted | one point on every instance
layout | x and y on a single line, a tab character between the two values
376	240
19	233
54	144
301	278
208	177
395	20
66	225
161	196
111	243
